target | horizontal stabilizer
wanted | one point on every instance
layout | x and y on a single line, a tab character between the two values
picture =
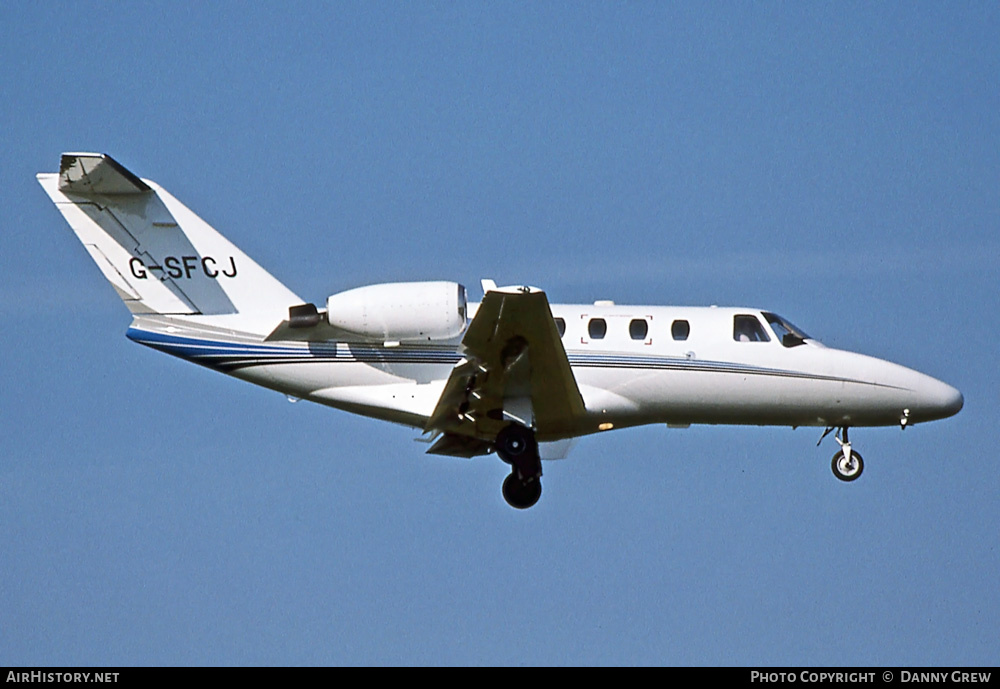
96	173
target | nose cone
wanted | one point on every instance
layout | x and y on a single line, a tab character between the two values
936	400
950	401
884	393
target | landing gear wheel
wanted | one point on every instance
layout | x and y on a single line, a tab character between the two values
847	471
519	494
514	442
516	445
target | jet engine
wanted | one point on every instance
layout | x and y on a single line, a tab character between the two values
398	311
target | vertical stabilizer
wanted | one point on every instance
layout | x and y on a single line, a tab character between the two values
159	256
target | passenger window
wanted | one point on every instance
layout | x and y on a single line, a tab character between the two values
638	329
561	326
749	329
680	330
597	328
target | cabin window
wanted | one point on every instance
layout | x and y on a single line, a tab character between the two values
638	329
561	326
749	329
597	328
789	335
680	330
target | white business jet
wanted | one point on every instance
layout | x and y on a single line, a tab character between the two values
512	375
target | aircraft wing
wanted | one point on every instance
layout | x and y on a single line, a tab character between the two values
514	370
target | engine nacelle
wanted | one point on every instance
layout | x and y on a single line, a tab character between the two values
398	311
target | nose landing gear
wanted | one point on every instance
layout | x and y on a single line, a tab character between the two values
517	446
847	467
847	464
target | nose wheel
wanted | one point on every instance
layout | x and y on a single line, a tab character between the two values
847	469
847	464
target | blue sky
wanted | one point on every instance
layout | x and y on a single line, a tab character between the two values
838	163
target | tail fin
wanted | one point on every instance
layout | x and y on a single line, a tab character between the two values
159	256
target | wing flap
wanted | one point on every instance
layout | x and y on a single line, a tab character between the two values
454	445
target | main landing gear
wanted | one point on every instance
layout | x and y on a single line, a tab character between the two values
517	446
847	464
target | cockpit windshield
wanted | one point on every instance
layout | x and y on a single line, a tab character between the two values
789	335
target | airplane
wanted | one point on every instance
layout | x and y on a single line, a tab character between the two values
512	375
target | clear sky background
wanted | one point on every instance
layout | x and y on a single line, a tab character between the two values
838	163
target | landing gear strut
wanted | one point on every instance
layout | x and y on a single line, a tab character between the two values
517	446
847	464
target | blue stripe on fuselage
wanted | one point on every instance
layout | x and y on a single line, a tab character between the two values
228	356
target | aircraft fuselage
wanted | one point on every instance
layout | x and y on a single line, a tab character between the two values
644	365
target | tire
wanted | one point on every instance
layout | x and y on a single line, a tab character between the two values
521	495
514	442
844	472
